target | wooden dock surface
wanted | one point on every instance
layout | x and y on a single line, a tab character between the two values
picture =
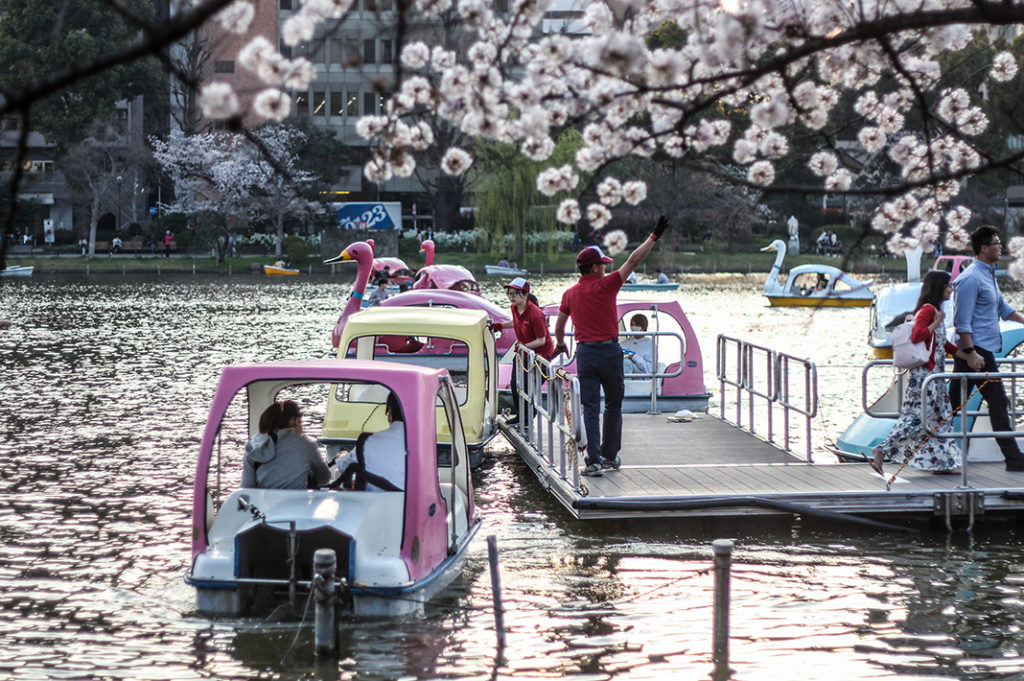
710	468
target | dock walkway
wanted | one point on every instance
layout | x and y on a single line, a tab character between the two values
710	468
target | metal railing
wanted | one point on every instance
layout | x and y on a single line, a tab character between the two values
757	374
654	376
550	414
962	420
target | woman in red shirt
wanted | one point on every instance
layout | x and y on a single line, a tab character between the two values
911	439
531	326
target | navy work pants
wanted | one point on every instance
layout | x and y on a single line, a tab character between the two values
599	365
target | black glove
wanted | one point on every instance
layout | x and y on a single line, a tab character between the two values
495	327
559	349
660	228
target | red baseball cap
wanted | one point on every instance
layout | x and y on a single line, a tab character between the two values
591	255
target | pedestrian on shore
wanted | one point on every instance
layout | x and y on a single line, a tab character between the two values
115	246
912	440
168	238
531	328
979	307
591	304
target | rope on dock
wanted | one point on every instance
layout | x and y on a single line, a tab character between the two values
687	504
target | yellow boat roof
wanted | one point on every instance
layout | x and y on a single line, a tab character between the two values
443	322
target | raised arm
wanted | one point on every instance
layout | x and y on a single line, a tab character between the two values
643	250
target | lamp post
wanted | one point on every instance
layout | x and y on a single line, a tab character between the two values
117	222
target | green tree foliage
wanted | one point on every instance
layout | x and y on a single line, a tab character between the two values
506	196
42	37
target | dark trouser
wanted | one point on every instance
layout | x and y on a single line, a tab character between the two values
995	397
599	365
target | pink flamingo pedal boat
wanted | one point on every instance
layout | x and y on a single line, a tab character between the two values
395	549
362	254
451	277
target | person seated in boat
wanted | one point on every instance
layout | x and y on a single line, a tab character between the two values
637	350
279	264
504	263
377	462
662	277
280	456
632	278
822	283
379	294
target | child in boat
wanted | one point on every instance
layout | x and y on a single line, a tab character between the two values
638	350
280	456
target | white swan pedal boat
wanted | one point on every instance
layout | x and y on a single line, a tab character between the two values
802	289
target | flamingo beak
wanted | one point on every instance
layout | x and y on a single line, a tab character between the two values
341	257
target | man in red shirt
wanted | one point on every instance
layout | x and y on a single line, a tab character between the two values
590	303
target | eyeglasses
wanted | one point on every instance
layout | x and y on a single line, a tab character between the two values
512	292
994	243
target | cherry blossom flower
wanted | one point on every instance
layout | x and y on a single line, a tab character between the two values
840	180
823	163
456	161
415	55
615	242
1016	246
218	101
610	191
634	192
598	215
958	239
1016	269
744	151
272	104
236	17
958	217
761	173
1004	67
568	212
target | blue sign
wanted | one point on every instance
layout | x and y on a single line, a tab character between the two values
365	216
152	210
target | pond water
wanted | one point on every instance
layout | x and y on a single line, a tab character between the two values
107	381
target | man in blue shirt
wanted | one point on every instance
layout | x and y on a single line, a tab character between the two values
979	307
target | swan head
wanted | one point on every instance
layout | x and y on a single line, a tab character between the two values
358	251
777	245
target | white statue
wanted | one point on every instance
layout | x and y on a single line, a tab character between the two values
794	234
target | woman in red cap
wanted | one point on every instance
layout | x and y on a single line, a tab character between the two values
531	328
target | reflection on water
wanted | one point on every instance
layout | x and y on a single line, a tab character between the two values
107	383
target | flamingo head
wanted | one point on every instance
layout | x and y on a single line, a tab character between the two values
360	251
427	246
373	245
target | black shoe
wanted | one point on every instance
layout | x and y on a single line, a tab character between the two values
612	465
1016	464
512	420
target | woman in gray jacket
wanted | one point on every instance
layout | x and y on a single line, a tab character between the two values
280	456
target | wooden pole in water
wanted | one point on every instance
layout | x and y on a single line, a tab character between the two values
722	549
326	631
499	611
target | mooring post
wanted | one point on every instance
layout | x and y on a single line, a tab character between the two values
722	549
326	636
499	612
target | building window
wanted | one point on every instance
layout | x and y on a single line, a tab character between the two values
9	123
301	104
286	51
501	6
337	104
370	51
385	5
223	67
352	105
286	4
337	55
369	100
318	51
386	52
319	103
370	5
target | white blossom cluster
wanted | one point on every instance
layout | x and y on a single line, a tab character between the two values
748	77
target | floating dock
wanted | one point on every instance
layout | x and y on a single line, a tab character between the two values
710	468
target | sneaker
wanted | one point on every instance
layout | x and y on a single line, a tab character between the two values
612	465
593	470
1015	465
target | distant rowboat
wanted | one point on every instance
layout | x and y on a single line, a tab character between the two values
503	271
652	286
17	271
274	269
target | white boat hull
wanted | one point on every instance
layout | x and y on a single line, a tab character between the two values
502	271
16	271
